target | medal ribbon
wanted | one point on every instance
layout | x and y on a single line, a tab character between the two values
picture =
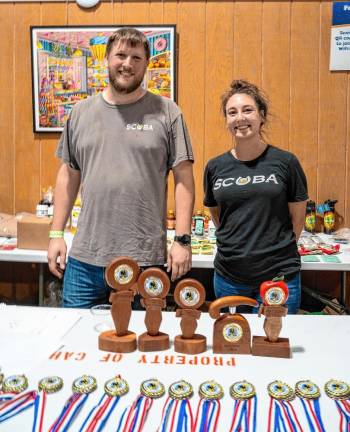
99	414
313	414
207	409
39	411
69	412
5	397
180	418
136	415
344	411
17	405
244	415
284	416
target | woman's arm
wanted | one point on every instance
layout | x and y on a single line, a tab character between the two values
297	214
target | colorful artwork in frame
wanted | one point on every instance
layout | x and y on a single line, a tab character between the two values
69	64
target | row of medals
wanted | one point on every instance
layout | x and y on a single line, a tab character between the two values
153	388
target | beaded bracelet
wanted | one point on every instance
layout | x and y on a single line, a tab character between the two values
56	234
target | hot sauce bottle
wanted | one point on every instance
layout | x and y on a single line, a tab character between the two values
329	216
310	217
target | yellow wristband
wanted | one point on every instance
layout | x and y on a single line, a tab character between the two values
56	234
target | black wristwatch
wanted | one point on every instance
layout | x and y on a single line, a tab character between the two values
184	239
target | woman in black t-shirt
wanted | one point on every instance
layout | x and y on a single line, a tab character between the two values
256	194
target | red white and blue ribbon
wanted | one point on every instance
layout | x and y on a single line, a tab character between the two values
69	412
313	414
244	415
282	417
5	397
17	405
343	407
176	416
99	414
208	411
134	417
39	411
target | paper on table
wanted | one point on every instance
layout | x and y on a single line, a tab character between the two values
37	332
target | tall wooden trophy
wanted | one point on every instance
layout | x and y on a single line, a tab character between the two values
189	295
153	286
121	274
231	330
274	294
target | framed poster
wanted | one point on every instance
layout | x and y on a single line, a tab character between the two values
69	64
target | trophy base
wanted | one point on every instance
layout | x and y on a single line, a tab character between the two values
196	345
109	341
147	343
262	347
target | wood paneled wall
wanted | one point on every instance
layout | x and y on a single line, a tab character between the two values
282	46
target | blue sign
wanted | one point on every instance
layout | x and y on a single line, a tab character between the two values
341	13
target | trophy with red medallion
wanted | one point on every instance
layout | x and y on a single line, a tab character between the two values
274	294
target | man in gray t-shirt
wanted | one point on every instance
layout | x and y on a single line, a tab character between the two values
120	145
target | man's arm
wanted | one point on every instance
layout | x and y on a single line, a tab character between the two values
66	189
179	256
297	215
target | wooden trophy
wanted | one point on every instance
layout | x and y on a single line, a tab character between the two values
274	294
189	295
153	286
231	330
121	274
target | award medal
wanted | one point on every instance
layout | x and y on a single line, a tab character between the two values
81	387
340	392
50	384
123	274
275	296
153	286
16	402
98	416
309	394
208	409
245	407
177	412
189	296
134	417
282	415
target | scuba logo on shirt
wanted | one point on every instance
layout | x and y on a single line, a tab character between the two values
138	126
242	181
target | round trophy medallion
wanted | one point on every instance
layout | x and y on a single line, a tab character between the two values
337	389
15	384
211	390
116	387
152	388
280	390
242	390
232	332
50	384
180	390
307	389
84	384
189	294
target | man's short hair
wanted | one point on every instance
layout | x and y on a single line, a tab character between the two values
131	36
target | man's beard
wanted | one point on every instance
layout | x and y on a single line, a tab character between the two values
122	88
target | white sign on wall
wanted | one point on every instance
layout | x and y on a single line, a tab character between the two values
340	37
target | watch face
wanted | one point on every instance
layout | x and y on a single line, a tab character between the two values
184	239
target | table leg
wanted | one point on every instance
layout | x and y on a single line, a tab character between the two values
343	290
41	283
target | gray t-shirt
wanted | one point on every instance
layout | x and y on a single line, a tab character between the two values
124	153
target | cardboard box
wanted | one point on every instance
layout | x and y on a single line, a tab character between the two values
33	232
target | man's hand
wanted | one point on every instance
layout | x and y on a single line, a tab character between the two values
57	249
179	260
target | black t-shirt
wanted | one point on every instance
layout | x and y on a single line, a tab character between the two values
255	235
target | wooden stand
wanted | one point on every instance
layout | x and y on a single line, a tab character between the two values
189	295
153	285
272	345
120	274
231	331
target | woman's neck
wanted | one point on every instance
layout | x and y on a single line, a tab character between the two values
248	150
